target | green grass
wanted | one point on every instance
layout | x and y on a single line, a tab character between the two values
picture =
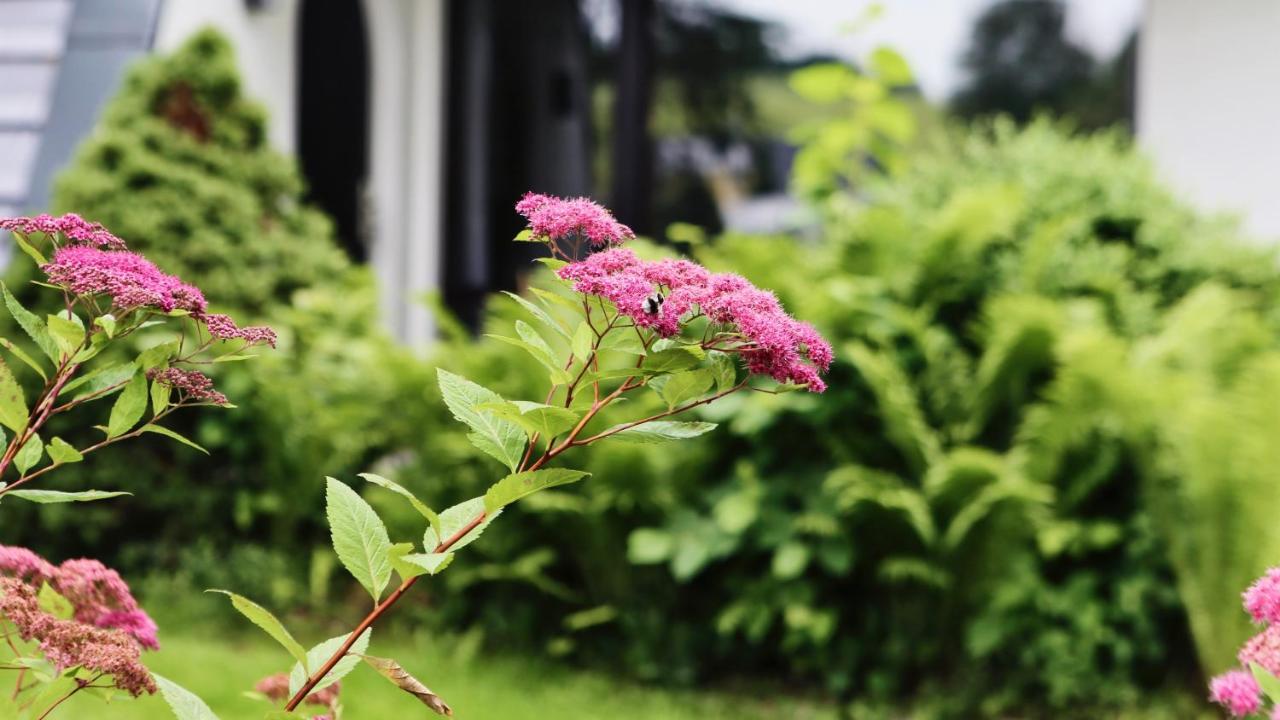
220	670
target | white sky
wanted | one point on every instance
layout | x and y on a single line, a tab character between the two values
932	34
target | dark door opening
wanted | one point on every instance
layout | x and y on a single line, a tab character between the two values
333	113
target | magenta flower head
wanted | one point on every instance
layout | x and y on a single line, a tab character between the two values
74	228
193	385
1262	599
130	280
561	218
750	321
1237	691
224	328
1263	649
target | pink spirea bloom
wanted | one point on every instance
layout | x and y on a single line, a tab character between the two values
71	643
76	229
1237	691
1262	599
1264	649
130	280
25	565
224	328
771	342
193	384
559	218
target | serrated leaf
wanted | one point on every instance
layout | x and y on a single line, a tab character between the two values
623	340
271	625
13	404
25	244
54	603
583	343
129	407
429	563
423	509
391	670
359	537
60	451
500	438
513	487
456	518
99	380
320	654
672	359
67	334
535	418
539	313
51	497
534	338
541	353
724	369
24	357
658	431
160	396
161	430
678	387
30	454
184	703
32	325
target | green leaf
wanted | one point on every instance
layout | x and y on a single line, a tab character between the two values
320	654
658	431
184	703
676	388
672	359
646	546
161	430
129	407
99	380
526	235
429	563
513	487
539	313
535	418
789	560
623	340
67	334
13	404
552	263
534	339
406	570
24	357
423	509
540	352
30	454
496	436
54	603
61	452
391	670
583	341
108	324
724	369
29	249
157	355
359	537
31	324
456	518
160	396
271	625
51	497
1269	683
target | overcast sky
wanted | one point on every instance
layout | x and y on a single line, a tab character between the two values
932	34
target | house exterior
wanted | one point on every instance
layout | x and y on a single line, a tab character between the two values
1207	109
364	93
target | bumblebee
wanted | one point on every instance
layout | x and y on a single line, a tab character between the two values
653	304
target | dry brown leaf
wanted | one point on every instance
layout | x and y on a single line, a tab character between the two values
391	670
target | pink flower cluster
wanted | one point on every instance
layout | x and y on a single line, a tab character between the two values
101	598
276	687
753	322
130	280
224	328
1237	690
71	643
193	384
559	218
76	229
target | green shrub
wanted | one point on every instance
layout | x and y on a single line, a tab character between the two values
180	167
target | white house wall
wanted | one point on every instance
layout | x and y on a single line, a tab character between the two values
1207	109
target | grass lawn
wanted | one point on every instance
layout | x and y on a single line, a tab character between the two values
506	688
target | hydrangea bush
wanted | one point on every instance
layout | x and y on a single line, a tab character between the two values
76	626
614	325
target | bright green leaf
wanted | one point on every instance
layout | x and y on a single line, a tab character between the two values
535	418
184	703
359	537
50	497
673	359
583	341
423	509
100	379
271	625
454	519
54	603
513	487
24	357
67	334
30	454
430	563
13	404
31	324
157	355
160	396
724	369
108	324
658	431
161	430
129	407
540	314
496	436
31	251
320	654
61	452
678	387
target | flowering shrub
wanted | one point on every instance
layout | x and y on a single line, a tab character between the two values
617	325
1242	692
77	626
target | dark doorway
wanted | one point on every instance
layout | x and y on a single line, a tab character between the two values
333	113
